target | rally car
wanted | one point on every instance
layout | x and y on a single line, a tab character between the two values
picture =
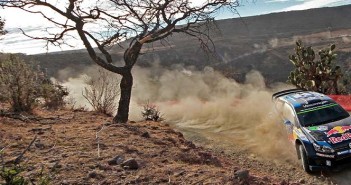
319	128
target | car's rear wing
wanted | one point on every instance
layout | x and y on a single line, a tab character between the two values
285	92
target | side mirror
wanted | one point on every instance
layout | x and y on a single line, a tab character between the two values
287	123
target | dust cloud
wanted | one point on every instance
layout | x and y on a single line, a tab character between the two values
346	39
209	103
75	98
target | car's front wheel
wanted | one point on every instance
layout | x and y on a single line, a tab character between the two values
304	159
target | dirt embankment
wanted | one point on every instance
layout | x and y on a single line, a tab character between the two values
79	148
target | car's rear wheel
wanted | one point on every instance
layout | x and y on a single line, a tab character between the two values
304	159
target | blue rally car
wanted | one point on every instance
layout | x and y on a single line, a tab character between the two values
319	128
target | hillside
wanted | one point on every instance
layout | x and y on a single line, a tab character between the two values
77	147
261	42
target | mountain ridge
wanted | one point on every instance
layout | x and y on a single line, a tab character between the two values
248	43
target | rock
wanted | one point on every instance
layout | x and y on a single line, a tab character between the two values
39	145
283	183
92	174
302	181
146	135
116	160
95	175
130	164
241	175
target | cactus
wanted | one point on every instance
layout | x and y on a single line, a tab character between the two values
317	75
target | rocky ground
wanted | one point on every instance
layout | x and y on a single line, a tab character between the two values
77	147
288	172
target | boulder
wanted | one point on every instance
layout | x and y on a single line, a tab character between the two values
130	164
116	160
242	175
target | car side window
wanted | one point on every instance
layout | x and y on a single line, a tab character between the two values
288	114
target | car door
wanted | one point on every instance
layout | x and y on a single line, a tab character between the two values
290	120
287	115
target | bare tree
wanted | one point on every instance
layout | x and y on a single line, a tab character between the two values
138	21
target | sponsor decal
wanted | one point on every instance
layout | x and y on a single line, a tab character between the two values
338	130
315	104
311	109
318	128
325	155
343	137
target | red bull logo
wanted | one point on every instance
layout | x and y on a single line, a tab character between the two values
344	137
338	130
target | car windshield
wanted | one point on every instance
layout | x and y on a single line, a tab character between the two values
322	115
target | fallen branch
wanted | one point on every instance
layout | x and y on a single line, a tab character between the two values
24	118
14	116
18	159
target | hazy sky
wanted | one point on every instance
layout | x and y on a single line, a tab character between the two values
15	42
258	7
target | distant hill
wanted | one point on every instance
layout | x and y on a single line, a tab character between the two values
261	42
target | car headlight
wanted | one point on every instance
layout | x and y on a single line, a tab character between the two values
324	149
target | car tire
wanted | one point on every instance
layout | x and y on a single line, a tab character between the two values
304	159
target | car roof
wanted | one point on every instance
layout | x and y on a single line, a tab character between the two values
306	99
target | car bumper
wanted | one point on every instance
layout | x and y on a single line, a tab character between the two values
322	163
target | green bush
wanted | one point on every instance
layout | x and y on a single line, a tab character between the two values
19	83
12	174
53	95
22	86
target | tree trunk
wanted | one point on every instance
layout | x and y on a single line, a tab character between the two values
124	101
130	58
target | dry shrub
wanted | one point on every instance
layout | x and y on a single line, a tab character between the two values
151	113
102	92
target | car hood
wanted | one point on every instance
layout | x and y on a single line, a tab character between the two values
333	133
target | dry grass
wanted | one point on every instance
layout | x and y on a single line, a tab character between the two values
67	149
